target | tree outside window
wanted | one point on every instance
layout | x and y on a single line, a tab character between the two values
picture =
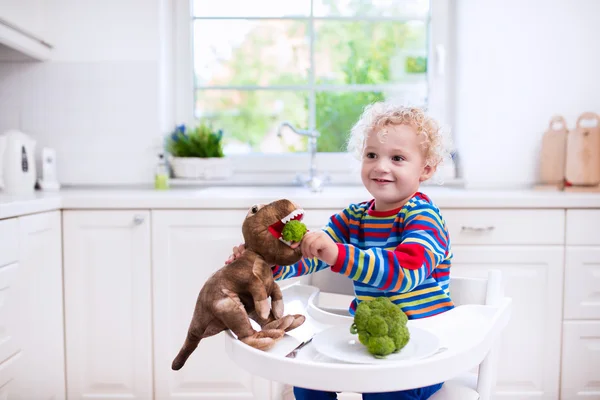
315	64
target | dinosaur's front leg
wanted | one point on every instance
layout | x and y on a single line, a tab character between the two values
259	296
277	320
276	301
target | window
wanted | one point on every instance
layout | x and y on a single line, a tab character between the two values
313	63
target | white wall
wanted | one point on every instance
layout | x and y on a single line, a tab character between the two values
101	101
518	63
104	100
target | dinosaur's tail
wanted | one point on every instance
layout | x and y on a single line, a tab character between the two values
190	344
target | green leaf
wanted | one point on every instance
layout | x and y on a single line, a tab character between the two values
202	142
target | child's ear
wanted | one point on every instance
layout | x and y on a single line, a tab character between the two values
427	172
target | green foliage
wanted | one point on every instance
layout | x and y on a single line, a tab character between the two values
336	114
416	65
364	55
254	116
202	142
381	326
346	53
293	231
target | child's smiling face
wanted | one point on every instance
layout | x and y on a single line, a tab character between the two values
393	166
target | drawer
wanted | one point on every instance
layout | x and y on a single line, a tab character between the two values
505	227
583	227
9	311
9	241
582	283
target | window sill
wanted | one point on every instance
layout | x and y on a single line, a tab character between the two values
289	180
340	169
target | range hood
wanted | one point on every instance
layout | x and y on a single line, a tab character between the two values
16	41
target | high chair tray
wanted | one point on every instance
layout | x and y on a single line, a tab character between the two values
464	336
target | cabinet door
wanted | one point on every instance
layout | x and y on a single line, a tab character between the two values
41	369
581	360
187	247
10	297
529	362
108	312
11	345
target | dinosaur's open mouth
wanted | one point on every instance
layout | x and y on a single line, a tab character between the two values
277	227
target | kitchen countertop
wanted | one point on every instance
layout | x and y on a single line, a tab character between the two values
243	197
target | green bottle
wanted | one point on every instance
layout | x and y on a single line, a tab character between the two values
161	175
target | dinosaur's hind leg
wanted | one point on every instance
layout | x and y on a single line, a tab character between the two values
287	322
232	314
195	333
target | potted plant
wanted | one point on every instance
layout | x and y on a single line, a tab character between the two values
198	153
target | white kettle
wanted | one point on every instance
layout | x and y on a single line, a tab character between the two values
17	163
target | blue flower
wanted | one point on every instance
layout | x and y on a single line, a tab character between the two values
179	130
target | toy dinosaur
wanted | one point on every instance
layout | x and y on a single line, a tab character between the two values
241	290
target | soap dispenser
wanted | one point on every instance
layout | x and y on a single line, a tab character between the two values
161	174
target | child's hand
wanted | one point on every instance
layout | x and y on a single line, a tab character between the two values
237	252
319	244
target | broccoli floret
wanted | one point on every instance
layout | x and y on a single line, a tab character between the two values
381	326
293	231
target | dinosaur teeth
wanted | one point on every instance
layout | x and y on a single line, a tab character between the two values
296	214
289	243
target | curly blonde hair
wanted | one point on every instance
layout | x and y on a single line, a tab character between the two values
378	115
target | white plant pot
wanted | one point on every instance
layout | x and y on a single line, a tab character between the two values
201	168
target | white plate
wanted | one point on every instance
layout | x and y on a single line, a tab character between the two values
337	342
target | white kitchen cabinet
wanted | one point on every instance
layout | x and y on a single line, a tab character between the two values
582	283
187	247
580	360
108	304
582	227
581	327
32	364
41	372
529	362
26	15
131	278
10	270
505	227
24	27
528	247
9	241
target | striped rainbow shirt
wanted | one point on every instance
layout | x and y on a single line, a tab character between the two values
403	254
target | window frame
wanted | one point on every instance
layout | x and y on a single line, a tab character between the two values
341	168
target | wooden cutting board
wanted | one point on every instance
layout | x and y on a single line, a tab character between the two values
553	152
583	153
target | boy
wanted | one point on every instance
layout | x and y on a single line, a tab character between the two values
396	244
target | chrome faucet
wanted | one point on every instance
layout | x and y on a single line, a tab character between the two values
313	181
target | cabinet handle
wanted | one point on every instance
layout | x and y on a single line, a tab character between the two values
138	220
478	229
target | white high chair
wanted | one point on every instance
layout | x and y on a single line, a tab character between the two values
333	294
477	385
